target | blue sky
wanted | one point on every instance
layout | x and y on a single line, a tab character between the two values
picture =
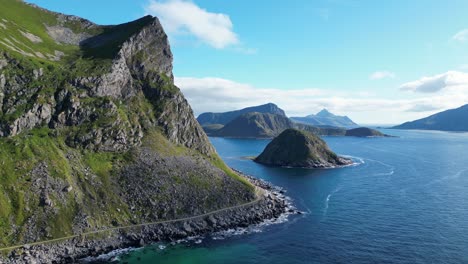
375	61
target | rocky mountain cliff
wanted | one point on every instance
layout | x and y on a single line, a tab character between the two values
93	131
450	120
224	118
295	148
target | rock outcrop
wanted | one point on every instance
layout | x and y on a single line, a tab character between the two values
295	148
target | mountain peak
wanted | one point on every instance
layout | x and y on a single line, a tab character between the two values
324	113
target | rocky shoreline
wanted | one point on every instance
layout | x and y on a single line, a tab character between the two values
271	205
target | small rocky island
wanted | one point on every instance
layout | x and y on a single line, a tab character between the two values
296	148
364	132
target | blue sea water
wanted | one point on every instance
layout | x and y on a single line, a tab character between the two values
405	202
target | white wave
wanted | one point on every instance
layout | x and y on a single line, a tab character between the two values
385	173
359	160
257	228
113	256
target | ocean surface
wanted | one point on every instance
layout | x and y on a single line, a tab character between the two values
406	201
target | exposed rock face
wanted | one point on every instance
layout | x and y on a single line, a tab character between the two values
143	61
294	148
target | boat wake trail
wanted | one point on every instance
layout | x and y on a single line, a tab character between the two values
447	177
327	200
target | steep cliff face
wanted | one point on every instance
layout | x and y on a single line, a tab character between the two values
85	111
142	67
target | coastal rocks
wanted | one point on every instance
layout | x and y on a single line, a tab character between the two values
270	205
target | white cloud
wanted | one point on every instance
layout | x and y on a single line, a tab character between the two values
219	95
461	36
381	75
183	16
445	81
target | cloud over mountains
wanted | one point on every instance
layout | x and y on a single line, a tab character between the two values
185	17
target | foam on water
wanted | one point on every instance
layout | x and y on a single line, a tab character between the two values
112	256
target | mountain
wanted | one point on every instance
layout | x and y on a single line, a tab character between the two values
325	118
295	148
450	120
94	134
364	132
266	125
224	118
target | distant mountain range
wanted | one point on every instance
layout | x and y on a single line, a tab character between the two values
226	117
268	121
264	125
450	120
325	118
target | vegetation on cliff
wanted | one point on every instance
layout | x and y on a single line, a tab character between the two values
85	111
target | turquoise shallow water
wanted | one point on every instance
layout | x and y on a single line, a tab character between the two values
406	202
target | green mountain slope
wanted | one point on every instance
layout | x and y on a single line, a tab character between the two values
93	132
226	117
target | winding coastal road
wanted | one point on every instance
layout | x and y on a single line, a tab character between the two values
258	192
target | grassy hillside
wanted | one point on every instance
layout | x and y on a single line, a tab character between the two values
91	139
